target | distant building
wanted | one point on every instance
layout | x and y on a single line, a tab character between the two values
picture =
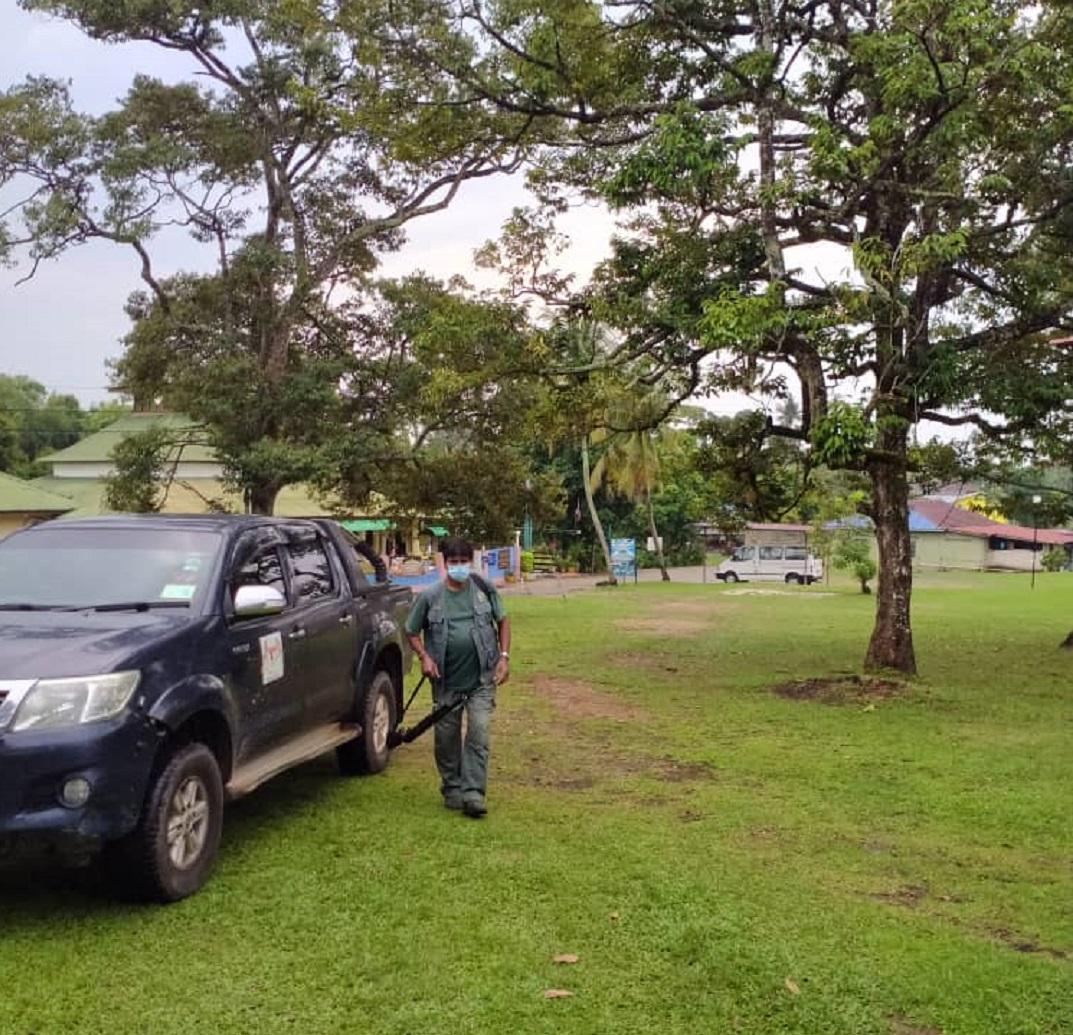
195	485
761	534
22	503
946	536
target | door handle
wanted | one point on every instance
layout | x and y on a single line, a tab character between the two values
296	634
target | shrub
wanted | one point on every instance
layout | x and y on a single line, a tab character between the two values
527	561
854	554
1055	559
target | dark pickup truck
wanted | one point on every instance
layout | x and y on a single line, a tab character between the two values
152	668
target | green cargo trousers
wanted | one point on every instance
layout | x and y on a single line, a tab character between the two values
464	767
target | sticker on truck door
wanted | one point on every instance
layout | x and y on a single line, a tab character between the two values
271	658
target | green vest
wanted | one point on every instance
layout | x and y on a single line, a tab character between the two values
485	635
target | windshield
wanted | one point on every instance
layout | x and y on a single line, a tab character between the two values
96	567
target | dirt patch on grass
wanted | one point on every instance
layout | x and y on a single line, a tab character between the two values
574	699
778	593
683	772
650	662
580	772
911	895
1019	943
840	689
664	626
693	608
902	1025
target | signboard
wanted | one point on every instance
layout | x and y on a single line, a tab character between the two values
624	558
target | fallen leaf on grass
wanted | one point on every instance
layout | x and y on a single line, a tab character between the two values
565	957
791	986
557	993
613	917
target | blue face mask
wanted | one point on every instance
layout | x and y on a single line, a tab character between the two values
458	572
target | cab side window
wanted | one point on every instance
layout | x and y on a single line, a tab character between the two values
311	570
771	553
264	568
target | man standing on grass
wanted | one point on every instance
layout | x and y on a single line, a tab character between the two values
465	654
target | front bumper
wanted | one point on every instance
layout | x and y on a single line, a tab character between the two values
116	757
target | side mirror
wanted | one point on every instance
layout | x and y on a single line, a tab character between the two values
258	601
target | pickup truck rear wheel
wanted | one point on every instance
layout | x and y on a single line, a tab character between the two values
170	853
370	753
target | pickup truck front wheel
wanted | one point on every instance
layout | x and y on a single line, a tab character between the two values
170	854
370	753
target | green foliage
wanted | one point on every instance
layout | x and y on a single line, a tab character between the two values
527	562
138	482
751	477
35	422
841	437
1055	559
853	553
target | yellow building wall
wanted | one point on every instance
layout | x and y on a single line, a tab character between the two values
940	551
12	522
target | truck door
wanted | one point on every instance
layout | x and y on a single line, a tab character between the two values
264	657
327	629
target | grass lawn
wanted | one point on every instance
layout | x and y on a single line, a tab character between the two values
721	858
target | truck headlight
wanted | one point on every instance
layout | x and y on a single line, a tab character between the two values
52	703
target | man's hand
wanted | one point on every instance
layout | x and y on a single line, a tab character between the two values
429	667
502	673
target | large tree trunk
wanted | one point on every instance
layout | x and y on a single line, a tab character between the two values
891	646
657	542
261	497
585	476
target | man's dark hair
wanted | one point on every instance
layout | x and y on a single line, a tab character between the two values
455	546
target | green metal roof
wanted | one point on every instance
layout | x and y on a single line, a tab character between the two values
368	524
18	496
97	448
437	530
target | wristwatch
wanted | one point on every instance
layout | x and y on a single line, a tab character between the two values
504	654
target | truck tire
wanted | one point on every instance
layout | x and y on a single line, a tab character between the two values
793	577
731	576
171	852
370	752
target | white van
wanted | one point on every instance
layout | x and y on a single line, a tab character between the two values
771	564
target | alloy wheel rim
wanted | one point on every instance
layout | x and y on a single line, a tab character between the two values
381	723
188	822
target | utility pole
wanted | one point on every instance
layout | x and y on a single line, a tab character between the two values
1036	500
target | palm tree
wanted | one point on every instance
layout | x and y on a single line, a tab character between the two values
588	477
630	464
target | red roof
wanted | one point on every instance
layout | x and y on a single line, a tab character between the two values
967	522
1019	533
946	515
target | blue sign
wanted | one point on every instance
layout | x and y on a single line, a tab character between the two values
624	558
